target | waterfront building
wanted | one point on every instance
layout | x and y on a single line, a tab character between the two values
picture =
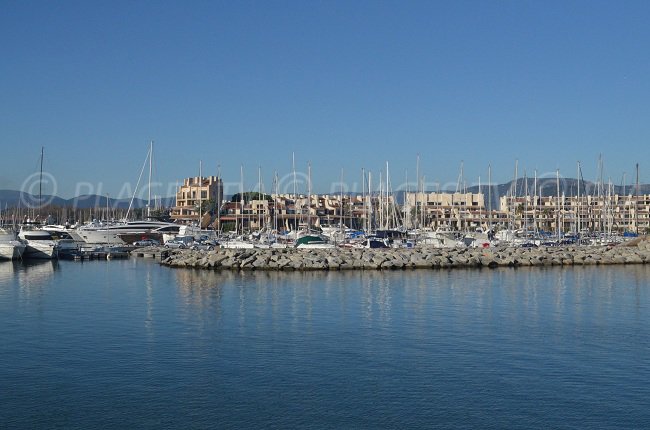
590	213
288	212
193	198
457	211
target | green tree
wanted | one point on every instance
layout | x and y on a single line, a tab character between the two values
520	209
209	205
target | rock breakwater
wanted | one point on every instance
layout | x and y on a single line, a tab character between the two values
398	259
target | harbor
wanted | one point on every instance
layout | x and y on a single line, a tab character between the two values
544	213
410	225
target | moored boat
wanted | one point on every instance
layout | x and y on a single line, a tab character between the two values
114	233
39	243
313	242
10	247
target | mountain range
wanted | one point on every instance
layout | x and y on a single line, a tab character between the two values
12	198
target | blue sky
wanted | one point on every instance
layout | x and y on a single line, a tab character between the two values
345	85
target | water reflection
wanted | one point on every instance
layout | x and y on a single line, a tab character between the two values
380	299
148	322
27	274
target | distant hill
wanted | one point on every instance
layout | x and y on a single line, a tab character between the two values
12	198
545	187
549	187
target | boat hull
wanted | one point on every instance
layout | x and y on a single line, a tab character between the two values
101	236
40	250
11	250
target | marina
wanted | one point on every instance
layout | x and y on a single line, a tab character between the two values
325	215
578	213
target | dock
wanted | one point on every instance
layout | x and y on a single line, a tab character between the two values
88	253
113	253
152	252
94	255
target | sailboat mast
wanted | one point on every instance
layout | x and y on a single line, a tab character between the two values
535	204
275	209
480	223
381	200
387	202
514	201
259	197
578	205
309	196
200	193
341	212
40	182
241	200
369	202
625	220
407	208
293	168
150	170
490	196
636	203
525	203
295	199
417	189
557	207
363	197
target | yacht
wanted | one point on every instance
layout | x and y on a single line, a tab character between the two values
442	237
10	247
118	232
40	243
59	231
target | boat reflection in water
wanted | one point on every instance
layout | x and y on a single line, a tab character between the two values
26	274
10	247
298	297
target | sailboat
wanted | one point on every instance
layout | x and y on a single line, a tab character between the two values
38	243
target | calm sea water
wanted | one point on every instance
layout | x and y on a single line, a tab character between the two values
130	344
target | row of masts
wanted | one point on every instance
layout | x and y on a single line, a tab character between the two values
381	210
603	194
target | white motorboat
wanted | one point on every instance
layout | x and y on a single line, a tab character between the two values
60	231
39	242
10	247
111	233
237	243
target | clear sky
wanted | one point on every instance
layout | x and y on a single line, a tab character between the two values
343	84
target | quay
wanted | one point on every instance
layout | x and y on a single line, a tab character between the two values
636	252
82	255
151	252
